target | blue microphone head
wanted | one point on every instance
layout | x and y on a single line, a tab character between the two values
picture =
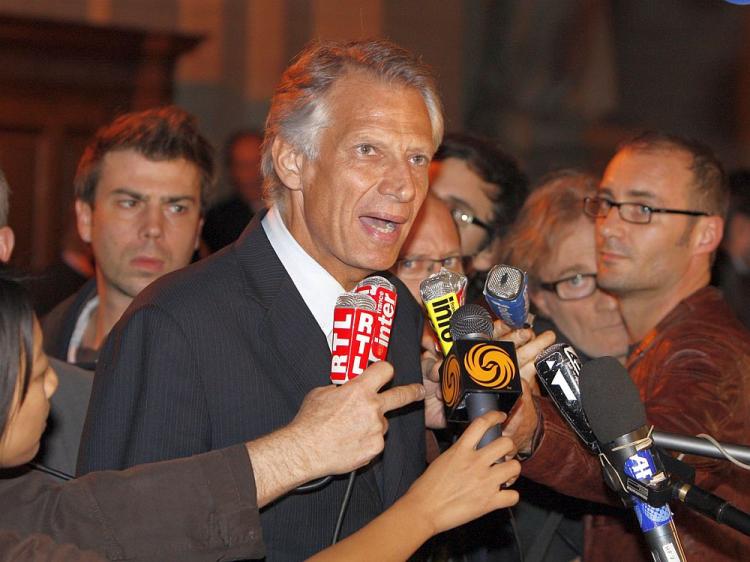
506	294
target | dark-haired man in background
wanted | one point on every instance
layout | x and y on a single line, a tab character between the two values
659	217
485	189
140	188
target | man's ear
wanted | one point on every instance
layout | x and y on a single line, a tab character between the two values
7	241
707	234
287	163
84	220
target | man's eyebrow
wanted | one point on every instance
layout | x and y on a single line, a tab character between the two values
129	193
141	197
178	198
460	203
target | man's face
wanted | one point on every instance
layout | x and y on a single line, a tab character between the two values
462	188
593	323
645	257
245	168
145	220
356	201
433	238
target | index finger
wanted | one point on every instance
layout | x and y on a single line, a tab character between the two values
400	396
375	376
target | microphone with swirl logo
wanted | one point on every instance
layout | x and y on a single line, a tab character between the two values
478	374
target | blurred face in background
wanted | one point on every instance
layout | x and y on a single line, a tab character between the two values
27	418
589	317
433	243
453	181
244	168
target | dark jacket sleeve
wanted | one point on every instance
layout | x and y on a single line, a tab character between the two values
147	402
199	508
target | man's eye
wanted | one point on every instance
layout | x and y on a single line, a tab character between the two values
576	281
127	203
420	160
177	208
365	149
408	264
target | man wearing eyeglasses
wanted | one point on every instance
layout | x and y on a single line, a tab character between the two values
433	243
485	189
659	219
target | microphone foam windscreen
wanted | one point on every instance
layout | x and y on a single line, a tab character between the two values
471	320
610	399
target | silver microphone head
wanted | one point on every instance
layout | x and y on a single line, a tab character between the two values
471	322
504	282
376	281
442	283
356	300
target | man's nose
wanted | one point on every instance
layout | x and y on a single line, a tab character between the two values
153	222
609	224
402	182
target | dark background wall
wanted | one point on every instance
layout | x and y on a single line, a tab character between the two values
558	82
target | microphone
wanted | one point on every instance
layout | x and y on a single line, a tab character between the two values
558	369
478	374
442	293
353	326
631	467
507	295
385	296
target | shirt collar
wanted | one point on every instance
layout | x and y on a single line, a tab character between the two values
318	288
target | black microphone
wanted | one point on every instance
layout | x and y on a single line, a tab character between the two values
558	369
631	466
478	374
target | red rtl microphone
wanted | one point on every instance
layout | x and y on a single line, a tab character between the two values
385	296
353	327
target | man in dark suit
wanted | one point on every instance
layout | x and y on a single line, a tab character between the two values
225	350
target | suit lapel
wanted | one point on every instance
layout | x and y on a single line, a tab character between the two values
289	327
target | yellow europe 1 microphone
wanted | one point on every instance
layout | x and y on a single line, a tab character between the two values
442	293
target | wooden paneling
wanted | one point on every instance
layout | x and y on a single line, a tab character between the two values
59	83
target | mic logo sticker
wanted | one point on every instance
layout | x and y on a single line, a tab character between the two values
439	312
451	381
490	366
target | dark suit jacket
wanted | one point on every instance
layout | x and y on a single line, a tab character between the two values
224	351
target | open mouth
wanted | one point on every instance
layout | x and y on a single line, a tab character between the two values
381	225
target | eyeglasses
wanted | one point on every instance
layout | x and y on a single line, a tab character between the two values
598	207
463	217
422	267
578	286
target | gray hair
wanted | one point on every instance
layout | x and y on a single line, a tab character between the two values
299	108
4	193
